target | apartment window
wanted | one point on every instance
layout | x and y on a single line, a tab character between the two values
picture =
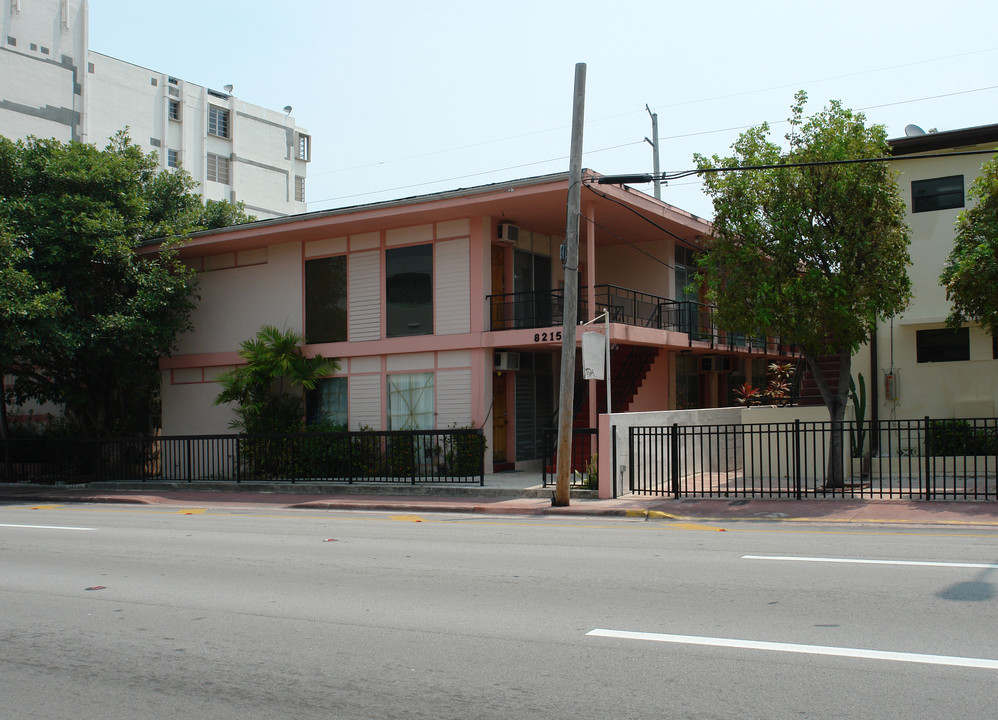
172	158
218	121
174	110
299	188
944	345
937	194
410	401
304	147
218	168
327	404
409	290
326	299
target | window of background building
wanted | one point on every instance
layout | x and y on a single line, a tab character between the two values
218	121
937	194
172	158
304	147
410	401
218	168
943	345
299	188
409	290
326	299
174	110
327	403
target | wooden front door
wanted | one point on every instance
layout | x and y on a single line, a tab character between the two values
499	420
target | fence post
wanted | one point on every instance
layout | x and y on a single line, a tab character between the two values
613	457
239	463
674	460
631	463
928	460
480	434
797	460
189	468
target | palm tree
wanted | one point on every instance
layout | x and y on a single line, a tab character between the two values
269	388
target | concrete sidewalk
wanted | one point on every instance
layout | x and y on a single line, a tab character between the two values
501	496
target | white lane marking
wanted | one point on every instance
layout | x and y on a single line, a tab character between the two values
870	562
45	527
805	649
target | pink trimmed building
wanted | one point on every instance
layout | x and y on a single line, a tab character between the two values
446	310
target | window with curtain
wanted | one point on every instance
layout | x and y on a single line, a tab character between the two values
410	401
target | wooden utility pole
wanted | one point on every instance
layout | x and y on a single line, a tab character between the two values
571	266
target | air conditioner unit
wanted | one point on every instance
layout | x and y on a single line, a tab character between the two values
507	361
508	234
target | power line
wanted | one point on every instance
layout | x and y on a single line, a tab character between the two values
613	147
673	105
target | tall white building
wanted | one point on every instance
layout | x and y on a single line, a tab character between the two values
53	85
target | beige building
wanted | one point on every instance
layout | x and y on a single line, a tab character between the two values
53	85
919	367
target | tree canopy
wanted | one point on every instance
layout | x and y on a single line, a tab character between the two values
813	250
971	273
73	216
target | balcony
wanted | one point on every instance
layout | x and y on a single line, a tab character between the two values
515	311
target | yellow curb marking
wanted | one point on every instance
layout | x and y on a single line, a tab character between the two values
195	511
659	515
406	518
694	526
44	507
635	513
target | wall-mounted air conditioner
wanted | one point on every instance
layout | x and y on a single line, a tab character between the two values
507	361
508	234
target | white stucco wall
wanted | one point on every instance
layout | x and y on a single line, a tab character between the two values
237	301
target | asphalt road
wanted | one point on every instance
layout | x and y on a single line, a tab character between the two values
124	612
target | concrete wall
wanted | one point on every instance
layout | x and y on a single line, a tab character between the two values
614	466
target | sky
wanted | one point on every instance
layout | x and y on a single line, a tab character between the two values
406	98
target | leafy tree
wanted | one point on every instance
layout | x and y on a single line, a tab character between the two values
815	254
268	389
971	273
76	214
23	307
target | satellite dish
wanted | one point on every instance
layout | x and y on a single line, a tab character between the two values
228	89
287	109
913	130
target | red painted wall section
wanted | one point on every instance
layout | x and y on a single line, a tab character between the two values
654	393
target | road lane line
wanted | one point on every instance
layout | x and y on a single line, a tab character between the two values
857	561
804	649
45	527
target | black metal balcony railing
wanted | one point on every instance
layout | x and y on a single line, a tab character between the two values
524	310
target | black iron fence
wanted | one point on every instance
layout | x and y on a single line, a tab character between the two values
583	471
403	456
924	459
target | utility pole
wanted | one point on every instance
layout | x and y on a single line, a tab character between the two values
654	146
571	266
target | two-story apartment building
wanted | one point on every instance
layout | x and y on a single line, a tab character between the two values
446	310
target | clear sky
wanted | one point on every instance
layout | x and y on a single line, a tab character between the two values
406	97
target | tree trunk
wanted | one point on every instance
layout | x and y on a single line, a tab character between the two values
8	463
836	404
